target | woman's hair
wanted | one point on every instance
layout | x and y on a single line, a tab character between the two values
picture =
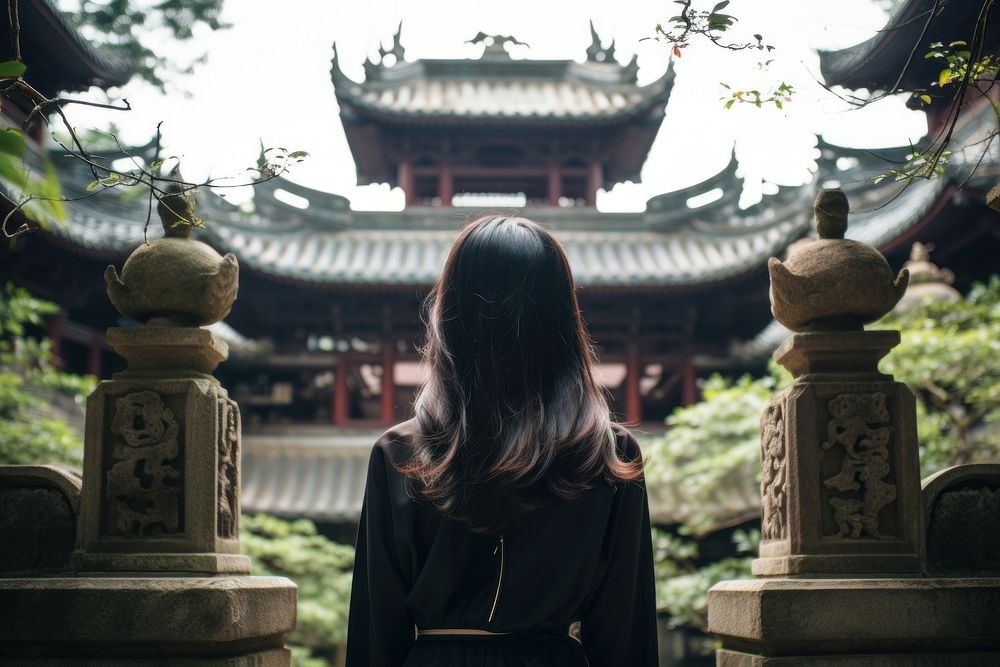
510	415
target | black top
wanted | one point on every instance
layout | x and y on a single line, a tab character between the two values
587	560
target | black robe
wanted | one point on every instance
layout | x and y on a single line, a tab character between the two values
588	560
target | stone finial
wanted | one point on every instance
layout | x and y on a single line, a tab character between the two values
928	281
176	210
831	209
175	280
833	284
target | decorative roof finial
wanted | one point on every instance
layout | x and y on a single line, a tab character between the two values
494	44
596	52
397	51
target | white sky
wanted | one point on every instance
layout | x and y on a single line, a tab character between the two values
267	78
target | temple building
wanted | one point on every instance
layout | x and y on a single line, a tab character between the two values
326	331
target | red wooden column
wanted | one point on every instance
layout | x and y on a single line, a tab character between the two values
405	179
633	371
340	392
689	388
595	177
388	406
555	184
446	183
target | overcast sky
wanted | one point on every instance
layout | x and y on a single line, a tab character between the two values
268	78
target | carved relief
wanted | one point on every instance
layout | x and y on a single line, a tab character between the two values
858	424
774	516
228	474
143	488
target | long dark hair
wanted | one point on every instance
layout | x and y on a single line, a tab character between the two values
510	416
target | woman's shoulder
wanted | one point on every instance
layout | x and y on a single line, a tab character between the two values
394	443
627	445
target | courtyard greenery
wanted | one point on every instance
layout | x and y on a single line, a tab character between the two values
320	568
949	356
37	400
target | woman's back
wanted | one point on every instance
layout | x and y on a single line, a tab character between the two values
510	507
586	560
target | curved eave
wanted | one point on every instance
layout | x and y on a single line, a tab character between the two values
351	94
81	64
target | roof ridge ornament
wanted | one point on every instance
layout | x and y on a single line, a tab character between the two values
494	45
597	53
397	51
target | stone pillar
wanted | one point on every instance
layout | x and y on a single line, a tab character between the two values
157	575
840	486
841	578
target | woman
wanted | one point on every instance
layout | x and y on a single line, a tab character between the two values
506	523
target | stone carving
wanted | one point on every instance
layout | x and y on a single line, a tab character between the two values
142	486
772	482
858	424
228	480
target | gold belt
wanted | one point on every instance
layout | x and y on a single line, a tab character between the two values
458	632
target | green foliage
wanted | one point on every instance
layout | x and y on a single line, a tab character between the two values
130	30
320	568
682	586
950	357
32	429
956	59
709	445
779	95
918	165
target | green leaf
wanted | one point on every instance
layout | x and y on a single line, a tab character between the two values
12	142
729	104
12	69
944	78
957	43
926	99
721	5
298	154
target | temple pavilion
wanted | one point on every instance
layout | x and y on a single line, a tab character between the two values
325	333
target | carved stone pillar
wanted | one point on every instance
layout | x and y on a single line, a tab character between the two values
840	482
161	472
841	578
157	577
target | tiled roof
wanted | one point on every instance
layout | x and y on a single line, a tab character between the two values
522	98
319	473
499	88
670	244
313	473
329	245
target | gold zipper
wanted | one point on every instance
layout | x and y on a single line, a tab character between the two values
499	578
